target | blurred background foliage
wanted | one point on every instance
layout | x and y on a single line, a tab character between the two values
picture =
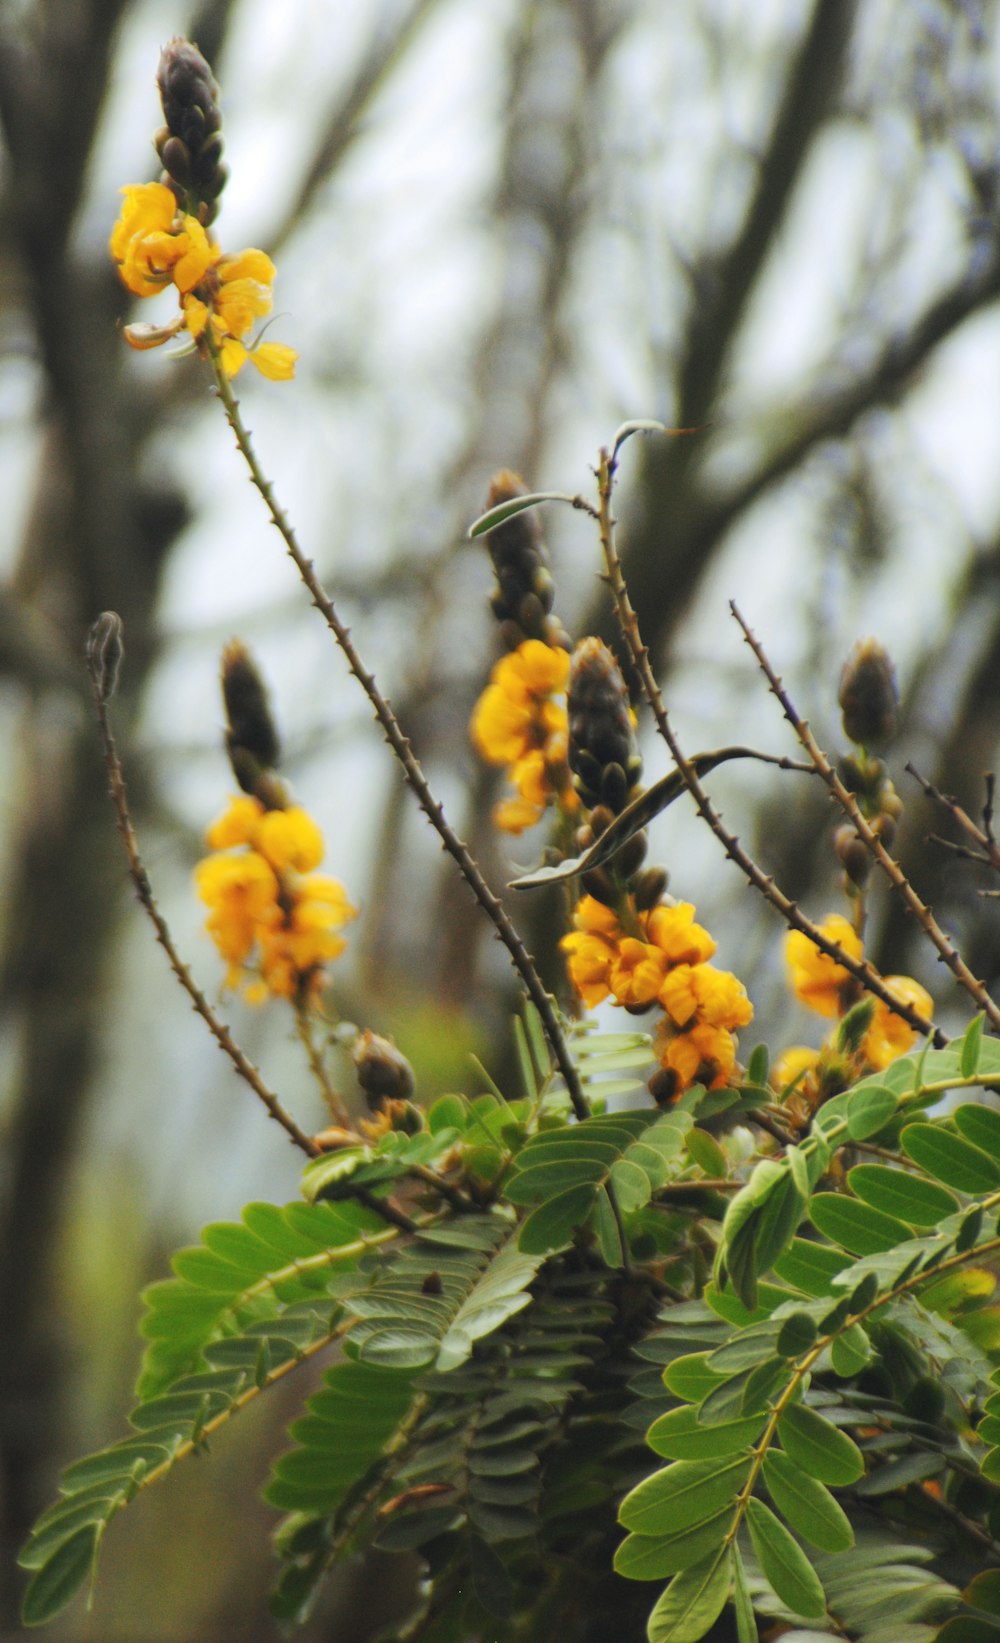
500	229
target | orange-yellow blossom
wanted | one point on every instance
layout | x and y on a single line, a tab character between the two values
269	913
703	1055
156	245
816	979
518	723
889	1035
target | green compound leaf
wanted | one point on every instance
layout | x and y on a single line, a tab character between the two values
693	1601
907	1197
341	1436
807	1504
810	1267
854	1225
60	1578
819	1447
243	1272
950	1158
851	1351
784	1563
689	1491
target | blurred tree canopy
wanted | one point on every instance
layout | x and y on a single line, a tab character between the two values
500	230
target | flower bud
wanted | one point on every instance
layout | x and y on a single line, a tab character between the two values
190	145
852	853
383	1071
105	653
251	738
600	726
648	887
868	695
525	591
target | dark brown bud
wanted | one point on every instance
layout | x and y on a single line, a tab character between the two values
648	887
631	856
597	883
852	853
383	1071
525	590
664	1086
600	725
868	695
190	148
251	737
884	828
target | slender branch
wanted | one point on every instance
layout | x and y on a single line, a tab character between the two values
947	953
400	745
860	969
334	1101
220	1032
983	836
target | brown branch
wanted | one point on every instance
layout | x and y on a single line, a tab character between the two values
399	743
989	851
889	866
220	1032
862	971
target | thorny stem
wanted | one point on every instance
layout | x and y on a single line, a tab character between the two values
303	1027
761	881
889	866
983	836
220	1032
400	745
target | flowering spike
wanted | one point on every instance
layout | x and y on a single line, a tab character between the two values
522	602
190	144
869	695
251	737
602	750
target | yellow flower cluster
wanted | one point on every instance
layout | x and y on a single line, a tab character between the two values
665	963
270	914
828	988
156	245
518	722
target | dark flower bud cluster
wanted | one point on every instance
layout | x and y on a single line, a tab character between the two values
251	737
869	695
525	592
190	144
602	749
606	768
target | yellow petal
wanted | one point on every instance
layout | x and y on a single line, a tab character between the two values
274	360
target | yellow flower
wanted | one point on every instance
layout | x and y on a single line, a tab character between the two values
637	971
889	1035
591	949
795	1062
156	245
817	980
268	912
517	723
701	991
703	1055
673	930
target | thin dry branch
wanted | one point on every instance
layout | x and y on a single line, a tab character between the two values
988	854
220	1032
862	971
399	743
947	953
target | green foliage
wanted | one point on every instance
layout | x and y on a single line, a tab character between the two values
547	1361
